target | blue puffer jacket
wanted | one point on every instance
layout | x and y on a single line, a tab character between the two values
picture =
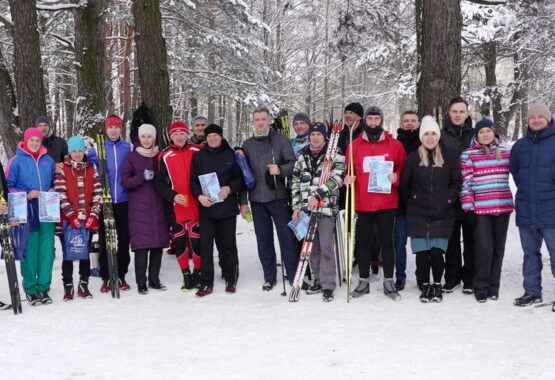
116	152
533	169
26	174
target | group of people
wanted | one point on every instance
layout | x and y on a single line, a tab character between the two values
444	181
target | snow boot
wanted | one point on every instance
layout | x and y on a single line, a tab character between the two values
204	291
142	289
527	299
362	288
229	287
157	285
45	298
34	299
187	280
105	288
400	284
314	289
197	279
123	285
390	290
327	295
83	288
268	285
68	292
426	295
437	293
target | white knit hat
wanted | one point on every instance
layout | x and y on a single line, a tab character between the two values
429	124
147	129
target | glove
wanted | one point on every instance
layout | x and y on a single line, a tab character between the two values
92	223
148	175
74	222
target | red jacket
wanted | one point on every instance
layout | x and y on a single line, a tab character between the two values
174	173
391	150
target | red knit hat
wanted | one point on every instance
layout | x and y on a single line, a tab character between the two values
113	121
178	126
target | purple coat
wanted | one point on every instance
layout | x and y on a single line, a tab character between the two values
148	226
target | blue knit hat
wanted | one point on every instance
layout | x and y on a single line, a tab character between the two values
319	127
486	122
76	143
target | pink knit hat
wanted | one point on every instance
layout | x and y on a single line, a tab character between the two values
32	132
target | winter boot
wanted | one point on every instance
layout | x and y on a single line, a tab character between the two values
268	285
33	299
229	287
68	292
362	288
142	289
197	278
437	293
204	291
527	299
315	289
426	295
187	280
328	295
157	286
83	289
400	284
123	285
448	288
390	290
481	296
45	298
105	288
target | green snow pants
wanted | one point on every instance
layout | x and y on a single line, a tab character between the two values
36	269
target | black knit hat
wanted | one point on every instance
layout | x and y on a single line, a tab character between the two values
356	108
301	116
214	128
319	127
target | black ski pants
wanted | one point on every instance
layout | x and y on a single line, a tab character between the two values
151	260
455	271
365	234
121	217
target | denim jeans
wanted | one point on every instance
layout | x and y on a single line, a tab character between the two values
531	240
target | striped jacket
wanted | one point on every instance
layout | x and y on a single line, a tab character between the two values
485	188
306	179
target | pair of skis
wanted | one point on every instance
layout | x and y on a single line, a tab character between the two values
315	215
109	221
9	259
349	227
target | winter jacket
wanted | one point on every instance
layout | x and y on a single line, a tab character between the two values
116	152
172	177
533	169
259	150
56	147
222	162
388	149
456	138
80	190
411	142
345	138
306	180
485	188
148	225
26	174
430	194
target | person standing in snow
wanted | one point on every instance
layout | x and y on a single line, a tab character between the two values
31	170
408	135
430	183
375	208
532	166
172	180
306	194
486	193
80	202
456	135
116	149
56	147
272	160
148	226
218	219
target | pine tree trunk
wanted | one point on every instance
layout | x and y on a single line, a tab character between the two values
438	25
10	137
89	52
151	60
31	101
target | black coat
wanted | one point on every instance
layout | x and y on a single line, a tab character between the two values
456	138
221	161
411	142
56	148
344	136
430	194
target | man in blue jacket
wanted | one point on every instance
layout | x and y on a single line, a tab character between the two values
532	167
117	150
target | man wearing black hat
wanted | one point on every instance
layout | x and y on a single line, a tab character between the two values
353	116
301	123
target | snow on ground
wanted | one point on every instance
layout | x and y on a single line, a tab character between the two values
260	335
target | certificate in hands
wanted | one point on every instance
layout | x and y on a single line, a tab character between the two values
49	206
210	186
378	181
17	207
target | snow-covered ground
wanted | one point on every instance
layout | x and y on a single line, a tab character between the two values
260	335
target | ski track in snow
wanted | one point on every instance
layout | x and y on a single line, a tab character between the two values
254	334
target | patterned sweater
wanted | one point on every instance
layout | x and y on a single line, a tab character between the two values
485	188
306	178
